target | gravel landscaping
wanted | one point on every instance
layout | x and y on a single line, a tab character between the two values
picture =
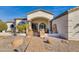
36	44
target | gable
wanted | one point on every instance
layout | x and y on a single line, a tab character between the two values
40	13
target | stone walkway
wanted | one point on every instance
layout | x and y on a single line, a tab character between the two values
35	44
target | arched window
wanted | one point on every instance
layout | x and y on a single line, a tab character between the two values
42	26
12	26
54	28
34	26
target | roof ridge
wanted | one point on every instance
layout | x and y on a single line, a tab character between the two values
39	10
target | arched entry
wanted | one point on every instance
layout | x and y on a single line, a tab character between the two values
43	26
37	17
39	23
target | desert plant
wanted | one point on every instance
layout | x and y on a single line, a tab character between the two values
22	27
3	26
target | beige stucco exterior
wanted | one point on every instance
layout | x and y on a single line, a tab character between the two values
39	13
18	21
9	26
62	25
68	24
40	17
73	21
40	20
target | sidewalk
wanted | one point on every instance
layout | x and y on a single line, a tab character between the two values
6	34
11	34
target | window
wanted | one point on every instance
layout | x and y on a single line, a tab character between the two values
12	26
34	26
42	26
54	28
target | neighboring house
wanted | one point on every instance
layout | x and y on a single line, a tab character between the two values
20	21
10	25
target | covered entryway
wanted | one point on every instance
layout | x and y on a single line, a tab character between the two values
39	19
38	24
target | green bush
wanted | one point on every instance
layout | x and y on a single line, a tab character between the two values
22	28
3	26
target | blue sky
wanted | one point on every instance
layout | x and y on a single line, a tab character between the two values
12	12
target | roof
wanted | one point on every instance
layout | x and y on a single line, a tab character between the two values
10	21
21	19
39	10
73	9
66	12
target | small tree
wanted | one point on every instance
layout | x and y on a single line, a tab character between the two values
3	26
22	27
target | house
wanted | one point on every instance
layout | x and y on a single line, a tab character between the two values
67	24
38	19
20	21
10	25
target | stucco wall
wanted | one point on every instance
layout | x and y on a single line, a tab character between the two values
8	26
68	25
40	20
40	14
73	21
19	20
62	25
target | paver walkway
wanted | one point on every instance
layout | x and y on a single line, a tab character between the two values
35	44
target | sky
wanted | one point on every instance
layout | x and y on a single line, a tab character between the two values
11	12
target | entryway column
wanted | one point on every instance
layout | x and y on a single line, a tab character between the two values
30	25
38	27
49	27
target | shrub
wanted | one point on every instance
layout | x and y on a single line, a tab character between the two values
3	26
22	27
